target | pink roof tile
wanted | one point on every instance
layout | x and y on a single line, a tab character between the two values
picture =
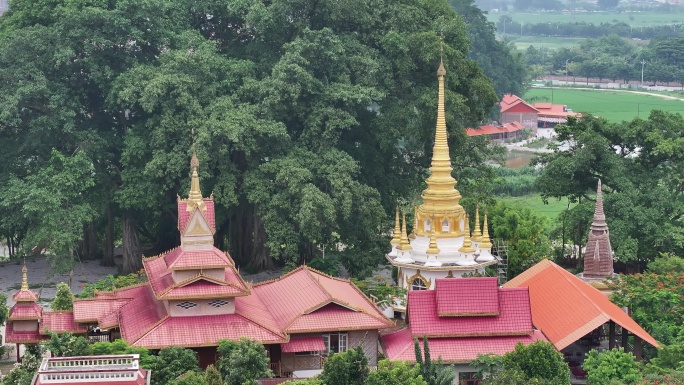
304	344
333	317
60	322
399	346
204	331
252	308
25	296
141	314
514	317
202	289
18	337
303	290
189	260
93	310
25	311
184	215
467	296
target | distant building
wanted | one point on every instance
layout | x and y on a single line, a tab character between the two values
105	370
515	109
552	114
3	6
503	132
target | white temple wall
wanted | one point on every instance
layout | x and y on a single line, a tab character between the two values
431	275
202	307
25	326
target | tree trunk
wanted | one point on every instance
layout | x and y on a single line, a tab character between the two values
108	257
132	260
261	255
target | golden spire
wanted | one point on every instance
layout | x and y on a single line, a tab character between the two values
396	237
485	244
477	233
24	278
404	244
432	248
467	246
415	225
440	197
195	198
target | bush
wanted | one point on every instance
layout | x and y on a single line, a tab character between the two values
111	282
605	368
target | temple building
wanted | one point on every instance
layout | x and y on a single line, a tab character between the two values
441	244
195	297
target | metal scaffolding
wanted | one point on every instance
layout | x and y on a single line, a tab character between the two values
501	253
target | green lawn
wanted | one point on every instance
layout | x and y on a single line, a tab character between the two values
636	19
535	203
522	42
612	105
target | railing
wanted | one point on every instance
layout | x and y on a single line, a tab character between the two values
104	337
275	368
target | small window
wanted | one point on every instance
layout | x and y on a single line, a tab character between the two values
426	225
445	226
186	305
218	303
418	284
468	378
335	343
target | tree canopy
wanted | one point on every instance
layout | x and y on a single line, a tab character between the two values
310	121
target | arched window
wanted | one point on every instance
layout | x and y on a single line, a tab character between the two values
418	284
445	226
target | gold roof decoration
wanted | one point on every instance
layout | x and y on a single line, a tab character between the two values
24	278
432	248
396	236
477	233
441	198
486	244
195	198
404	244
467	246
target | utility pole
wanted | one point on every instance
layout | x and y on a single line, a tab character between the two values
642	72
566	69
521	25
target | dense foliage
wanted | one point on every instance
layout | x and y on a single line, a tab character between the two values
111	282
611	367
310	121
538	363
433	372
64	299
243	362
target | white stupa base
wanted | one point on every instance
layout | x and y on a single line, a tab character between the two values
432	262
485	256
466	262
404	257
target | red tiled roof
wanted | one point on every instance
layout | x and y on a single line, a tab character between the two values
304	290
184	215
138	316
509	101
490	130
565	308
177	259
23	311
25	296
333	317
252	308
553	110
303	344
202	289
95	309
60	322
514	317
19	337
399	346
467	297
204	331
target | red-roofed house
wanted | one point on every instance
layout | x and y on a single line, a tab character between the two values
572	314
196	297
552	114
499	133
515	109
463	318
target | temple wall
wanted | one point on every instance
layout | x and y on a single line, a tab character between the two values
368	341
202	308
25	326
408	274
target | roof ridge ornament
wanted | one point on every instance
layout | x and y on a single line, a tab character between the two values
195	199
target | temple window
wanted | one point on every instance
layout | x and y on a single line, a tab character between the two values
462	225
418	284
468	378
218	303
445	226
335	342
426	225
186	305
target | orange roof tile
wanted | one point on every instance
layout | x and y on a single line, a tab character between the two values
565	308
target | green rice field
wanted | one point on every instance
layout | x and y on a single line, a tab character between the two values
612	105
522	42
535	203
636	19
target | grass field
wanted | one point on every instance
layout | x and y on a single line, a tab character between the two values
636	19
522	42
612	105
535	203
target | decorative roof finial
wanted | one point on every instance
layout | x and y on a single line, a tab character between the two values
24	277
486	243
467	245
195	198
404	242
477	233
396	237
432	248
599	215
441	71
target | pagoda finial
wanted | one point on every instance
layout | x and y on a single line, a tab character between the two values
486	243
467	245
441	196
396	237
432	248
599	215
404	242
24	277
477	233
195	198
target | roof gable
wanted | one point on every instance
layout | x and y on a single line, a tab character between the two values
460	297
184	215
583	308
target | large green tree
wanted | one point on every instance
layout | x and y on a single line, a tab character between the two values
309	119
